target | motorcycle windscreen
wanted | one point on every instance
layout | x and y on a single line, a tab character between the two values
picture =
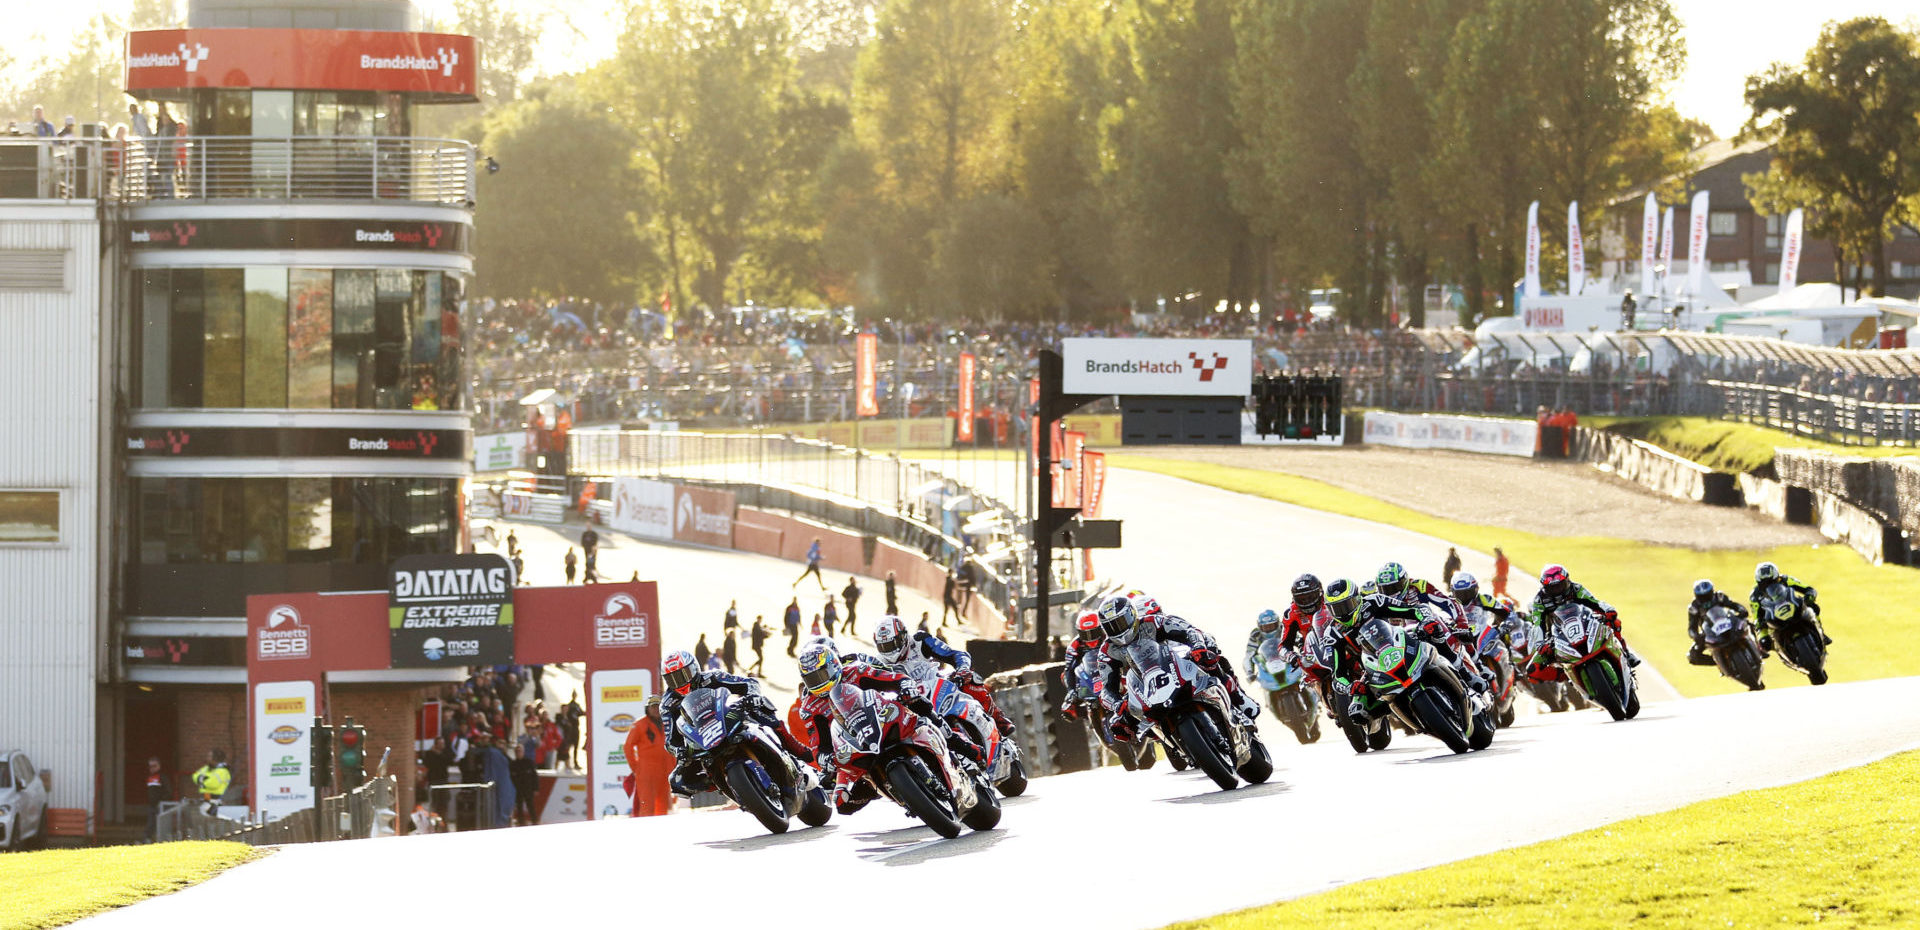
855	720
1571	625
1721	625
1154	678
1377	635
700	718
1778	603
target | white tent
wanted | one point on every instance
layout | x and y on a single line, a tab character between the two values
1804	297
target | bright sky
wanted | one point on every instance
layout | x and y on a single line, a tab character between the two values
1727	40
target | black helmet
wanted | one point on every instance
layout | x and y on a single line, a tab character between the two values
1702	589
1307	593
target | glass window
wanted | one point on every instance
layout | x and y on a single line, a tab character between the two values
183	519
155	346
425	357
1723	223
453	309
152	517
266	330
353	339
223	520
29	517
309	519
266	520
186	339
309	337
392	313
223	367
1775	225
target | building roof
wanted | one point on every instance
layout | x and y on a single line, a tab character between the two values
1717	168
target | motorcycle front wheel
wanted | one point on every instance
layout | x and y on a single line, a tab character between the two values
985	814
760	800
1812	657
1438	720
1015	784
1259	764
1199	740
816	809
1601	688
908	780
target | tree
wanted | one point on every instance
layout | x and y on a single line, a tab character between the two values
506	47
559	219
1846	131
88	82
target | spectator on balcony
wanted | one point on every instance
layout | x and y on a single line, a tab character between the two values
41	127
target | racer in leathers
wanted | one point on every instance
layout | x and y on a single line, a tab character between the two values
1705	598
1556	589
1467	593
1123	623
1767	573
820	670
1308	610
1265	630
680	677
1084	648
1442	628
1396	585
896	646
1347	678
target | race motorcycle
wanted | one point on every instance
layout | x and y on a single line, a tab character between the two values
903	756
747	762
1583	643
1319	659
1141	753
1408	677
1558	695
959	710
1292	702
1167	688
1491	651
1796	640
1735	652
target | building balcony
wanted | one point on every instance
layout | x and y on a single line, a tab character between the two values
253	168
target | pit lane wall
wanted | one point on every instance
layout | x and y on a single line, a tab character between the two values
1438	431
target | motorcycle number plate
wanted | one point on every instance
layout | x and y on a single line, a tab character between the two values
1722	626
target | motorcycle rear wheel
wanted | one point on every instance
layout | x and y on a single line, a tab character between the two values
1197	740
1433	716
765	807
904	777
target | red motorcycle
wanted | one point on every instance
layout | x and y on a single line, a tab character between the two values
904	756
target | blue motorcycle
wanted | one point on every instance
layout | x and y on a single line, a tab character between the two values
1291	701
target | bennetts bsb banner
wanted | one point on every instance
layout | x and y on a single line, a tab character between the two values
303	59
1158	367
451	610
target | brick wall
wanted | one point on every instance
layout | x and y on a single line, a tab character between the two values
389	714
212	718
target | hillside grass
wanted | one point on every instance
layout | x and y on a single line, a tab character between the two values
54	887
1728	446
1839	851
1651	585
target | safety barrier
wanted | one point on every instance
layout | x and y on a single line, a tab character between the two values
1031	697
363	812
1654	468
1464	434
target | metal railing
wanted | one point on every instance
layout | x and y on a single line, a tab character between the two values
914	503
33	168
439	171
360	813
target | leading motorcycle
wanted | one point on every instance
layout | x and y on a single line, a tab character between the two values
903	756
746	761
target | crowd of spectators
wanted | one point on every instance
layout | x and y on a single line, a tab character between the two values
488	735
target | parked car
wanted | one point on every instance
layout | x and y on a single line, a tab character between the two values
23	802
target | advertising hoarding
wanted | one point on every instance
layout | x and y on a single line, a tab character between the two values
303	59
702	516
451	610
283	738
1158	367
616	701
643	508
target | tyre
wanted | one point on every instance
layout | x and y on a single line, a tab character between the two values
1379	739
1273	704
1437	718
1313	729
985	815
1259	765
1601	687
1126	754
1356	737
908	780
1176	758
815	810
1015	784
1812	658
1148	755
1199	740
1633	704
760	800
1483	730
1508	716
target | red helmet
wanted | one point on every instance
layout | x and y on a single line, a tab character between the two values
1087	628
1147	608
1554	580
677	671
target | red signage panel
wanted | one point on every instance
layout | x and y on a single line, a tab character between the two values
304	59
965	431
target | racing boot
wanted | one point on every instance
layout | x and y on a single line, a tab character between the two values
1245	708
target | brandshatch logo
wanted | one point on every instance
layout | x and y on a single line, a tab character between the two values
443	60
1207	368
427	442
169	234
422	442
173	442
193	58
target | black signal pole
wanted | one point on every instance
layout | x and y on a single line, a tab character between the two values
1054	404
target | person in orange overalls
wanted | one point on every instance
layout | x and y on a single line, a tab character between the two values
647	756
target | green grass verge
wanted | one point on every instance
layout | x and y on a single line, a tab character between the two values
53	887
1727	446
1651	585
1841	851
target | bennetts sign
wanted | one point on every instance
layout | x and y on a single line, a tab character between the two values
451	610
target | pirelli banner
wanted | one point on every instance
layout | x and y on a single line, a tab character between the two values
451	610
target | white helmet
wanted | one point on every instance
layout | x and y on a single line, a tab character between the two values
890	639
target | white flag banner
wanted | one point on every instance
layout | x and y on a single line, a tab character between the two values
1648	228
1666	241
1697	245
1790	252
1533	251
1576	252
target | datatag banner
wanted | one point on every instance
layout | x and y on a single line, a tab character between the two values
451	610
1158	367
303	59
1464	434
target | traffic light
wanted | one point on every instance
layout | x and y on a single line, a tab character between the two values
320	758
353	754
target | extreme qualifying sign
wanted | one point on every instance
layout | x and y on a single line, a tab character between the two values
451	610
